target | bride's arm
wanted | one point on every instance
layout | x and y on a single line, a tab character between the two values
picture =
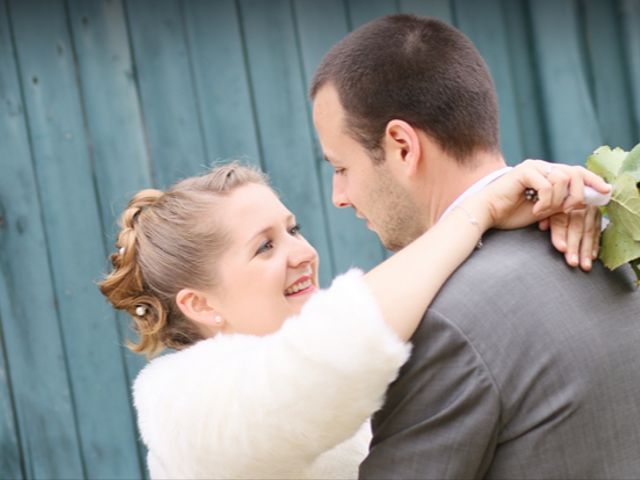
405	284
243	406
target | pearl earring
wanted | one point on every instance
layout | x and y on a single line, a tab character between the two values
218	321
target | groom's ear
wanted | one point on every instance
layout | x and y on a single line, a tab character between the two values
402	147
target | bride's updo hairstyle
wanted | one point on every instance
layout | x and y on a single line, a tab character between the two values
169	241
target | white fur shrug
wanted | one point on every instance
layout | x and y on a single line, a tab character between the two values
241	406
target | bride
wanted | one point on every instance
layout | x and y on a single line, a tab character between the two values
272	377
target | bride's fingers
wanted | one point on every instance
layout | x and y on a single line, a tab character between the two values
568	185
591	238
543	224
561	183
557	187
576	191
551	185
582	228
575	234
559	225
582	178
597	234
594	181
534	175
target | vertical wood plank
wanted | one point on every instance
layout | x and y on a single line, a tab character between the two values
569	112
11	459
631	42
483	22
11	132
28	310
114	118
610	79
75	238
363	11
319	26
169	103
222	85
282	118
121	162
441	9
528	102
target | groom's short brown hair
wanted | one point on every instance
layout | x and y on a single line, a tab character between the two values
417	69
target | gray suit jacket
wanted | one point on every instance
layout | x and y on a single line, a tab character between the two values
521	368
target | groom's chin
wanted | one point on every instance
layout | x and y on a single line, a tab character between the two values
390	245
395	243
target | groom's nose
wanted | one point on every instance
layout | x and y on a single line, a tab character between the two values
339	196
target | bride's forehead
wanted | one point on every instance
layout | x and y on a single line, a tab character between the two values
253	195
254	202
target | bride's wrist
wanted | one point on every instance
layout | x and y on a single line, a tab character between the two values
479	209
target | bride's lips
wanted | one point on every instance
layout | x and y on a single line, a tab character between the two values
310	288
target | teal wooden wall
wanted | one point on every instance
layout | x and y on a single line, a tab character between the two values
101	98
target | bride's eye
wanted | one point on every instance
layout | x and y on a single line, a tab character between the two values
295	230
265	247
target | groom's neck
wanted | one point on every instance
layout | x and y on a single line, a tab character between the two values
445	179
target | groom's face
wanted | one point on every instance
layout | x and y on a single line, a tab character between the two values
361	182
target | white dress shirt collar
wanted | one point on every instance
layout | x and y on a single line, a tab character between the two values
476	187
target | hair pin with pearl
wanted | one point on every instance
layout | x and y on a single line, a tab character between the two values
122	250
141	310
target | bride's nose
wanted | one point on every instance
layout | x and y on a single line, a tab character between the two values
301	252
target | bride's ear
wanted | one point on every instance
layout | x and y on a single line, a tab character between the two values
402	147
198	307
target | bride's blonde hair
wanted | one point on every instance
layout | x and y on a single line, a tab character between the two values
169	241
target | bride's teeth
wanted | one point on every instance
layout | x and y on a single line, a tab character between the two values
297	287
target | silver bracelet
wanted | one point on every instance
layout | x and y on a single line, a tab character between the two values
473	221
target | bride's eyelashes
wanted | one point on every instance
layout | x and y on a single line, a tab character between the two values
264	247
268	244
295	230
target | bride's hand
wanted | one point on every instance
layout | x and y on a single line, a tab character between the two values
560	188
576	234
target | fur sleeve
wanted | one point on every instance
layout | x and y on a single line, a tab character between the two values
237	404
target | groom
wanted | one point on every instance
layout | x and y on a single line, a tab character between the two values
522	367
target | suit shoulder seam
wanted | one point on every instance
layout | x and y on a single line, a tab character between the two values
468	341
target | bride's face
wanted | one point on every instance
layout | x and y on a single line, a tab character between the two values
269	270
